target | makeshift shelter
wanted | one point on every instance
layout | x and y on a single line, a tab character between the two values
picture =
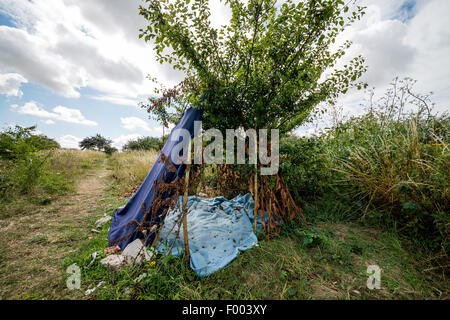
217	229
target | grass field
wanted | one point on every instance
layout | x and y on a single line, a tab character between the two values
324	260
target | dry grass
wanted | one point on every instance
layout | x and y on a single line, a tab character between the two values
129	169
33	246
75	162
394	161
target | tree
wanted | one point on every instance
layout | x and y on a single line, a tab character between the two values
147	143
98	143
172	103
267	69
109	150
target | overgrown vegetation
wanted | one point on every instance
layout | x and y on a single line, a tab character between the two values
374	188
325	259
34	171
145	144
24	166
389	167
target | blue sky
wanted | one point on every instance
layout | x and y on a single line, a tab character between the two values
107	115
76	68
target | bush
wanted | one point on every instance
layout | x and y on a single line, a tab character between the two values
389	166
26	166
19	142
144	144
23	156
305	167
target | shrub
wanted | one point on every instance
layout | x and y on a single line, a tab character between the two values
23	156
389	166
144	144
305	167
19	142
32	167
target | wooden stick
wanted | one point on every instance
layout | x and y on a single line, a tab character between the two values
185	199
157	236
255	209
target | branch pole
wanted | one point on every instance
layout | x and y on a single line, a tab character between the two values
155	241
255	209
184	211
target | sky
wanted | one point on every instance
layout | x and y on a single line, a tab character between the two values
76	68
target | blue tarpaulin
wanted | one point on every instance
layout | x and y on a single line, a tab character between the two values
133	210
218	229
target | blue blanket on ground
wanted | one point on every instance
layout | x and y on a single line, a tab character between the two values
219	229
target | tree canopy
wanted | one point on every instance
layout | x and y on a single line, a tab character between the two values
268	68
97	142
145	143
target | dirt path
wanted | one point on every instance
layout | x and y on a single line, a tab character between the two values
34	246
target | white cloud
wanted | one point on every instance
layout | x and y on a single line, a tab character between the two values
10	84
69	141
120	141
384	46
307	132
220	13
134	123
59	113
38	132
67	45
117	100
399	39
48	121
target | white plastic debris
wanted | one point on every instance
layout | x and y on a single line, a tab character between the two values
93	256
102	221
89	291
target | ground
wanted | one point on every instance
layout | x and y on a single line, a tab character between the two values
34	244
327	260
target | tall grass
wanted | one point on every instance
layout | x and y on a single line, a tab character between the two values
389	167
75	162
129	169
397	173
37	178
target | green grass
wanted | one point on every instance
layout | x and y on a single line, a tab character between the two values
286	267
326	259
